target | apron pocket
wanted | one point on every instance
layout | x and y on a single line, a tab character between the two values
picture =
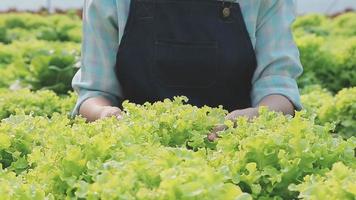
185	65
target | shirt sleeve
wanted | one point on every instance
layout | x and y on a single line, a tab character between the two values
96	76
277	54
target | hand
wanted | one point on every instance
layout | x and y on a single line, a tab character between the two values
250	113
109	111
214	133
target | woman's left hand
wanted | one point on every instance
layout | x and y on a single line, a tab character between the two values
250	113
277	103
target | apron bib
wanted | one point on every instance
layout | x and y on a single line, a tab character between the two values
197	48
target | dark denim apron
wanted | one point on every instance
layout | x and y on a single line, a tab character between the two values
197	48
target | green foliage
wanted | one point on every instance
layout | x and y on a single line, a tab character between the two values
342	112
266	156
50	28
13	187
339	110
344	24
38	64
112	159
332	69
159	151
52	70
3	35
5	57
316	61
40	103
327	58
315	99
190	124
339	183
311	24
40	52
151	172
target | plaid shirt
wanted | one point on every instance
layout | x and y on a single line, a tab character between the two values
268	23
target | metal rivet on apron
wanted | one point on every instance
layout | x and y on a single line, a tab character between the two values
226	12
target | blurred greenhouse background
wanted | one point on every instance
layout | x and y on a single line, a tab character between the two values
303	6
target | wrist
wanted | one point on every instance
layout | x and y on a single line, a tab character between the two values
253	111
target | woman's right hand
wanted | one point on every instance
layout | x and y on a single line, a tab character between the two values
99	108
109	111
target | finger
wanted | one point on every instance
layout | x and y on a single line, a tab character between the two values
119	117
116	113
219	128
214	133
111	112
232	116
212	137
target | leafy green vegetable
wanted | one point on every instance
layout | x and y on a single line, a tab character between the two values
339	110
266	156
159	151
327	58
339	183
40	103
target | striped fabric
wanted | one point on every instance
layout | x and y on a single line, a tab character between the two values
268	23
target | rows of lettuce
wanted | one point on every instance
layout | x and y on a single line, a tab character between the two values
43	51
338	110
39	52
160	151
15	27
328	50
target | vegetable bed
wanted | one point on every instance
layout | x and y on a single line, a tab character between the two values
160	150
